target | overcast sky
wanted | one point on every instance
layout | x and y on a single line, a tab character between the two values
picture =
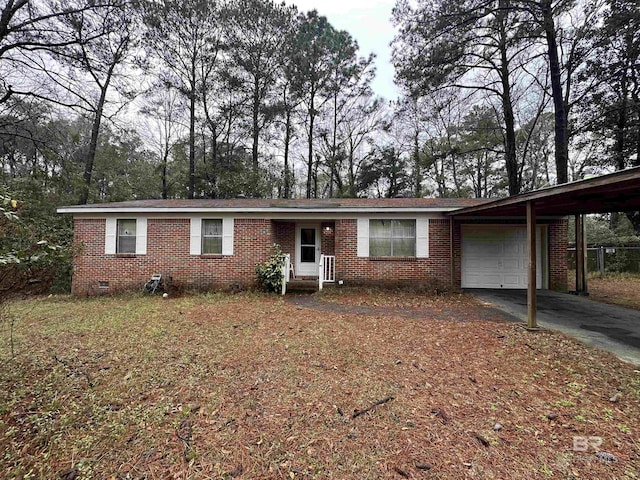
369	22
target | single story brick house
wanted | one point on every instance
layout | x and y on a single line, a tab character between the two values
217	243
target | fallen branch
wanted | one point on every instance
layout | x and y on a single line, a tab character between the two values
439	412
357	413
75	370
401	472
185	433
482	440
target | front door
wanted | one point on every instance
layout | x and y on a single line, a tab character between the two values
307	250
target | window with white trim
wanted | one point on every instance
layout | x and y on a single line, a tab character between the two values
392	238
126	236
212	236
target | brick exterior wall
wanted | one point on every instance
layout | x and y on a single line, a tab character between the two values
355	270
558	244
328	238
168	254
285	236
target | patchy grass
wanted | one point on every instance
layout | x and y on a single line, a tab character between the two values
253	387
614	288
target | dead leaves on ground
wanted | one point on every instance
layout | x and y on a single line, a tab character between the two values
252	387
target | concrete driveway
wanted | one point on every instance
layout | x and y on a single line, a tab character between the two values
612	328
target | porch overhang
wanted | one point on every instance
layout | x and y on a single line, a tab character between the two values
615	192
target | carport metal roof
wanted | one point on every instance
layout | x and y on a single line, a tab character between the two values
615	192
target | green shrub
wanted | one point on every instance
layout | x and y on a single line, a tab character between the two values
270	272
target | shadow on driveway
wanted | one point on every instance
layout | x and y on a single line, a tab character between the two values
610	327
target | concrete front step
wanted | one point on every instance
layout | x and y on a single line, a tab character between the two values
299	285
305	285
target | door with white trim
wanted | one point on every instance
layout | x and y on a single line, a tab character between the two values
307	249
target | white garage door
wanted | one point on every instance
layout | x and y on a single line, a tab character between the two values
496	257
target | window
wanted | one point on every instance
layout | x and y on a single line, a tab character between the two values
212	237
126	239
392	238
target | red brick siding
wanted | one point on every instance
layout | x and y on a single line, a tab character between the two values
285	236
379	271
558	255
328	238
168	254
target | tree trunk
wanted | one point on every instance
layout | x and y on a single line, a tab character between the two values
255	123
165	161
287	140
192	142
561	136
93	143
621	125
310	152
454	174
417	189
214	160
352	174
192	125
334	136
511	162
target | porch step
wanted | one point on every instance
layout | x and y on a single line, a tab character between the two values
302	285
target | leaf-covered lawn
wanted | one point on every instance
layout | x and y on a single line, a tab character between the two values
255	387
615	288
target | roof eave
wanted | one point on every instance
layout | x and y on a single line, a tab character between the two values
302	211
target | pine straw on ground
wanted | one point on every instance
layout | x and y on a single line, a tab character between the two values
615	288
255	387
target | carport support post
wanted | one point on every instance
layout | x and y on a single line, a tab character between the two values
452	262
531	270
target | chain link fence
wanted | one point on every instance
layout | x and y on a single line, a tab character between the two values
605	259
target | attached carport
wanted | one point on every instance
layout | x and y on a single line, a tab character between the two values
616	192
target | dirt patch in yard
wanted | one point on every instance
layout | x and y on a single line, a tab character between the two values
256	387
615	288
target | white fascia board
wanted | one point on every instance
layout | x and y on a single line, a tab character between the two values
297	211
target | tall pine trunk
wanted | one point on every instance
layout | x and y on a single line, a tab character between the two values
287	141
561	136
93	143
417	168
511	161
312	115
255	130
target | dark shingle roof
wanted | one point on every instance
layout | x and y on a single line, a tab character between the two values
245	204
